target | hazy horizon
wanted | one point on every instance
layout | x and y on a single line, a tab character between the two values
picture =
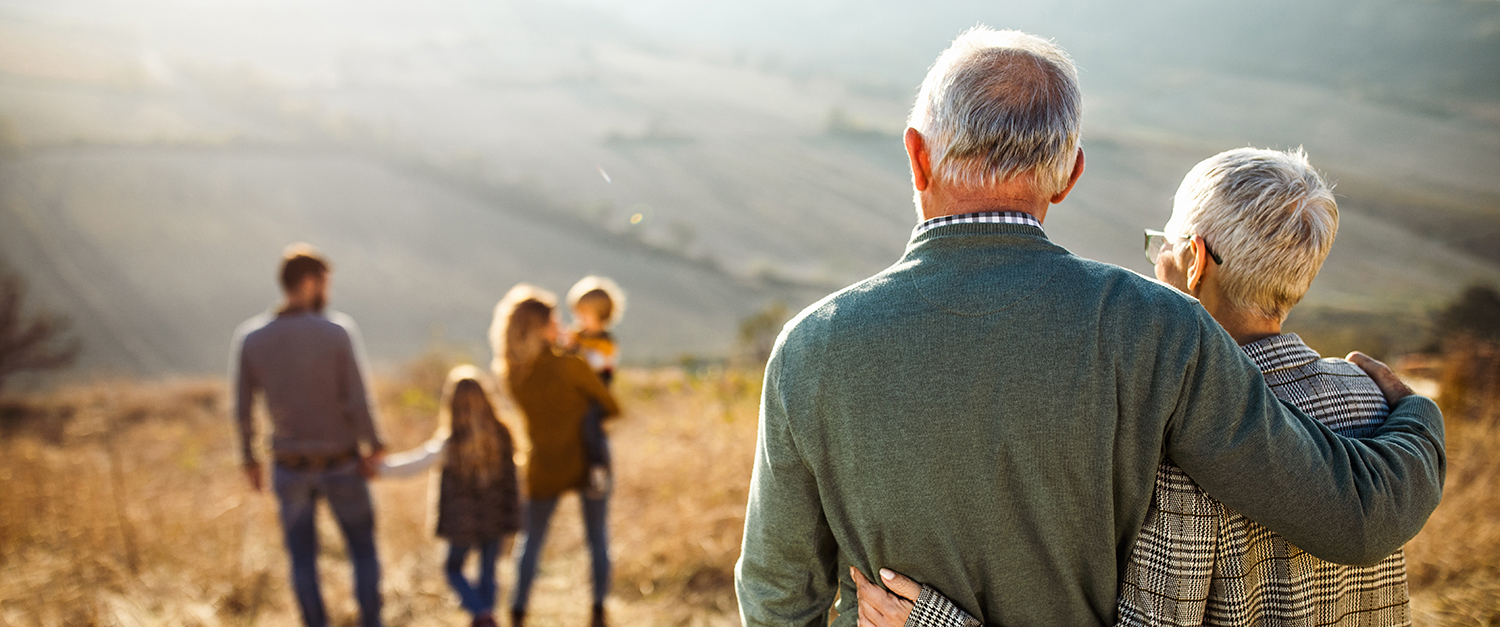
155	156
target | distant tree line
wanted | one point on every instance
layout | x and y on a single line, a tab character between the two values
39	341
758	333
1474	315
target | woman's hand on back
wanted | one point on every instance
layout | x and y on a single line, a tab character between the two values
879	608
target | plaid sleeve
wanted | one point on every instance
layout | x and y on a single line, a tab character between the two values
935	610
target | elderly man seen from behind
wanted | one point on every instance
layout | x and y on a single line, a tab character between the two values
988	414
1249	230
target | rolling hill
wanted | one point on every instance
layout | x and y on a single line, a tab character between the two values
155	161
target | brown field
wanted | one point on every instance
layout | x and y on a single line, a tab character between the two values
1454	563
123	505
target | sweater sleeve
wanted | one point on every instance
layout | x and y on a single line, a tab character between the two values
245	385
358	405
413	462
786	571
932	609
1343	500
591	386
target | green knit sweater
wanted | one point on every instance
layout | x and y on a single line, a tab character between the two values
987	415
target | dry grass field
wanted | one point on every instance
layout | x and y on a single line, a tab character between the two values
1455	562
121	504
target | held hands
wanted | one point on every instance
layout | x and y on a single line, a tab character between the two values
1389	383
369	465
878	608
253	473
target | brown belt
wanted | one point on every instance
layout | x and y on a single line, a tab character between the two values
313	463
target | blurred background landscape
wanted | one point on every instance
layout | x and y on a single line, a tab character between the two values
727	163
714	158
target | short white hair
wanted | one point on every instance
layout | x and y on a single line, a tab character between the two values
997	105
1268	215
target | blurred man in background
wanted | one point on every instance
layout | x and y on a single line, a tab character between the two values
309	366
989	413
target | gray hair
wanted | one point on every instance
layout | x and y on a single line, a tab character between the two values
1269	215
1000	104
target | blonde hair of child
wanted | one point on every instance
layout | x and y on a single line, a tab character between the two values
600	295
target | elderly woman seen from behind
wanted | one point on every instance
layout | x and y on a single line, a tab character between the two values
554	392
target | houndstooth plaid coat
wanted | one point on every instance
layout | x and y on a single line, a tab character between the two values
1197	562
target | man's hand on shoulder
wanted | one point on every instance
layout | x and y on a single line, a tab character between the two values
1390	384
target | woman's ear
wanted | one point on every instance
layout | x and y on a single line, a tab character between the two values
1198	264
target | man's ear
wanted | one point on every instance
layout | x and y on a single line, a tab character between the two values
1072	178
920	161
1200	263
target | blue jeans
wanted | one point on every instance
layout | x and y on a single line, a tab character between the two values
477	599
538	517
349	496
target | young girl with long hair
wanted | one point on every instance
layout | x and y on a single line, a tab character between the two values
477	504
553	391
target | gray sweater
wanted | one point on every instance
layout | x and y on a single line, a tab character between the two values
309	366
988	414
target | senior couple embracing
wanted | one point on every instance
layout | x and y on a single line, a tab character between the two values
1041	439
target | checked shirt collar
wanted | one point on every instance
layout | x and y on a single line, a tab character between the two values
992	217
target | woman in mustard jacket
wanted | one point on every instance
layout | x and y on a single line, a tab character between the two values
553	391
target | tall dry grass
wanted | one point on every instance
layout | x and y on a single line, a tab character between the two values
1454	563
122	504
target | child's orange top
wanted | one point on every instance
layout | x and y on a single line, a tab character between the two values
598	349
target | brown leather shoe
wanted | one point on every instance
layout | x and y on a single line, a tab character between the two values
598	617
518	618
